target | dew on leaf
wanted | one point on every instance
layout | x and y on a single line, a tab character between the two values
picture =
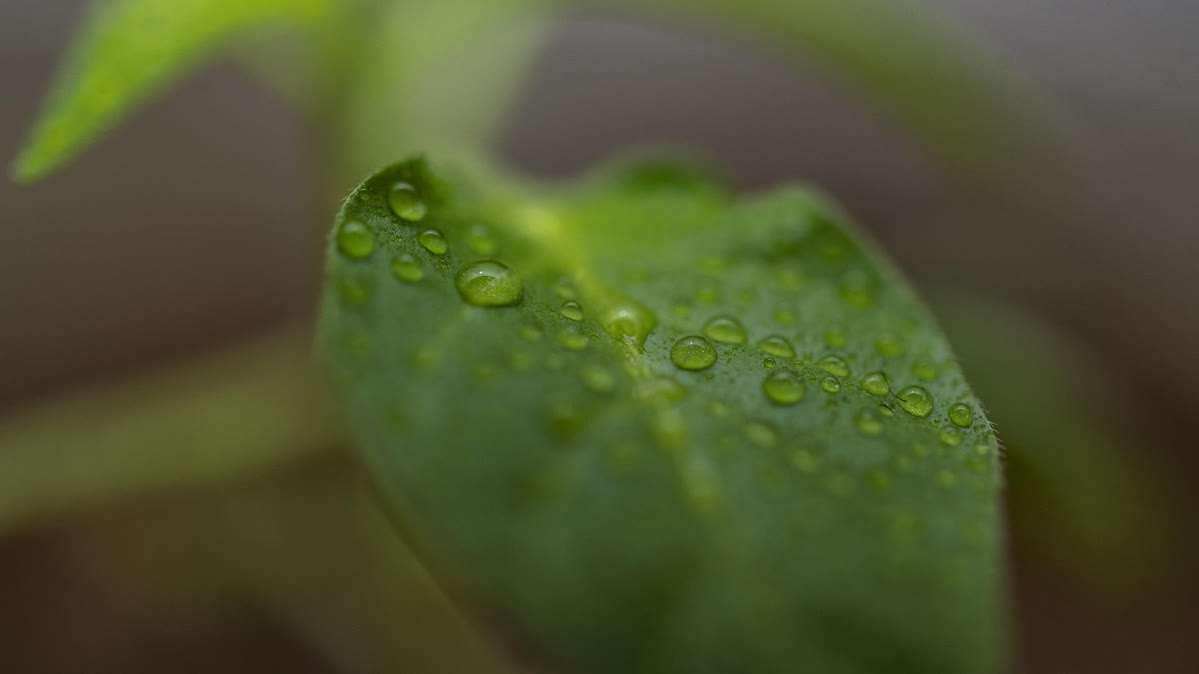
659	389
961	414
563	288
629	319
805	461
784	317
876	384
886	411
868	423
572	310
670	428
768	363
761	434
784	388
433	241
777	346
916	400
725	328
530	333
355	240
405	267
834	365
406	202
951	437
924	370
572	338
830	384
834	337
888	345
489	283
353	292
479	238
693	353
597	378
707	296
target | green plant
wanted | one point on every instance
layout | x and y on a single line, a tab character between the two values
646	425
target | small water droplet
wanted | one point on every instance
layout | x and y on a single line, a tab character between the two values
761	434
925	370
530	333
597	378
886	411
479	238
572	310
834	365
834	337
869	423
407	268
916	400
406	202
961	414
563	288
572	338
830	385
768	363
777	346
725	328
784	388
355	240
876	384
888	345
433	241
693	353
951	437
489	283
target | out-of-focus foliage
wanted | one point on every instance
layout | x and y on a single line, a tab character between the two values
810	485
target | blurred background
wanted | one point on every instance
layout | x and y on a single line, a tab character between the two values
141	303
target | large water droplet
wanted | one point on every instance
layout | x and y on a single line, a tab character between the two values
629	319
834	365
876	384
572	310
777	346
961	414
355	240
693	353
784	388
725	328
407	268
916	400
489	283
868	423
573	338
433	241
406	202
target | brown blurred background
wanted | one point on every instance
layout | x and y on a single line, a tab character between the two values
193	226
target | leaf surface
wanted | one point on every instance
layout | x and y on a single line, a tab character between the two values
617	512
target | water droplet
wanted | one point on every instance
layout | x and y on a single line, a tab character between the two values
951	437
925	370
830	385
670	428
886	411
433	241
659	389
572	338
407	268
630	319
784	388
597	378
961	414
777	346
355	240
693	353
834	365
768	363
785	317
563	288
805	461
857	290
572	310
876	384
916	400
489	283
405	202
761	434
834	337
888	345
725	328
530	333
353	292
480	240
869	423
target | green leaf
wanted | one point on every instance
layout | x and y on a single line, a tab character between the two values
129	50
616	512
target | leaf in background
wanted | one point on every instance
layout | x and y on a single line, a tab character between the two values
128	51
652	429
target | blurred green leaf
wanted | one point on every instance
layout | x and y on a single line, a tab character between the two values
778	510
220	417
131	49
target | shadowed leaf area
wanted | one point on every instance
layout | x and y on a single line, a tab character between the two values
644	426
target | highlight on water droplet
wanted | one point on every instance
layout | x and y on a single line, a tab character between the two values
693	353
925	370
406	202
961	414
355	240
573	338
784	387
572	310
433	241
830	385
405	267
479	238
834	365
916	400
489	283
726	329
868	423
776	345
876	384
